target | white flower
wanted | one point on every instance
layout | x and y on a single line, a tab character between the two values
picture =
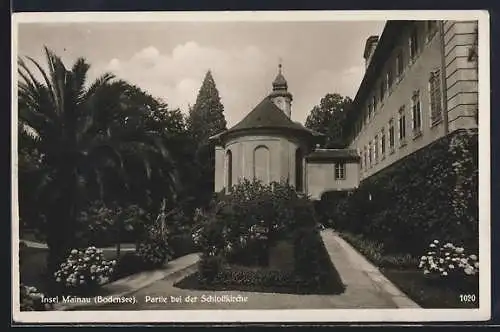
441	260
423	258
441	269
451	266
468	271
421	264
436	241
473	257
432	245
447	254
476	265
459	250
74	251
444	273
426	272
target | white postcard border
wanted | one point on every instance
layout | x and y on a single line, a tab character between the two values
296	315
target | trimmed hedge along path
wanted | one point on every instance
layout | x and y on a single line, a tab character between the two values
365	288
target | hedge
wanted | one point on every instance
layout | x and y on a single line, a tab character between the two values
241	227
430	194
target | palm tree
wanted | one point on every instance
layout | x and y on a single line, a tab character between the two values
91	141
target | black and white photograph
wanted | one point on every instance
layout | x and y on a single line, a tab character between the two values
220	166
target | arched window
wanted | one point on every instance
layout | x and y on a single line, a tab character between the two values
261	164
229	170
299	171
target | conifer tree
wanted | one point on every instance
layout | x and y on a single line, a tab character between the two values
206	118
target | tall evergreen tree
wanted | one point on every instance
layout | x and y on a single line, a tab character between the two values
206	118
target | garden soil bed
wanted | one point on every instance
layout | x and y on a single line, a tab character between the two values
288	282
427	294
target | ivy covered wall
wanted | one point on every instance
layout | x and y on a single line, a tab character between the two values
430	194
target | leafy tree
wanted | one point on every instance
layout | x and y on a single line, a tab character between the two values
206	118
328	118
90	140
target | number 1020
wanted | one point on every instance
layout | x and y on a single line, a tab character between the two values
467	298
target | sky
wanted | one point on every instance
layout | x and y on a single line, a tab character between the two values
170	59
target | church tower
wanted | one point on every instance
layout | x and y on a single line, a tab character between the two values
280	95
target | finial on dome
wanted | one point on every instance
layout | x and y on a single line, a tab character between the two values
279	82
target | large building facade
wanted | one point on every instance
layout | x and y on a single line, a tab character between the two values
420	84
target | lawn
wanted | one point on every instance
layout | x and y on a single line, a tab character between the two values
33	264
263	280
427	292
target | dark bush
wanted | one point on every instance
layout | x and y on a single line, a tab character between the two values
241	227
312	262
256	277
431	194
181	244
209	267
374	251
104	225
129	263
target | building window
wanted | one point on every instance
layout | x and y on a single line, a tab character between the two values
374	99
229	170
391	134
361	162
389	79
299	170
431	29
375	149
402	125
416	113
339	171
382	143
413	43
399	64
365	157
435	96
370	154
382	90
369	114
261	163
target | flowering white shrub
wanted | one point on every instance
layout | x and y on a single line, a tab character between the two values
84	269
31	299
448	260
196	235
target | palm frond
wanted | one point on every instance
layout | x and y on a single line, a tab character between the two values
80	69
45	77
57	72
